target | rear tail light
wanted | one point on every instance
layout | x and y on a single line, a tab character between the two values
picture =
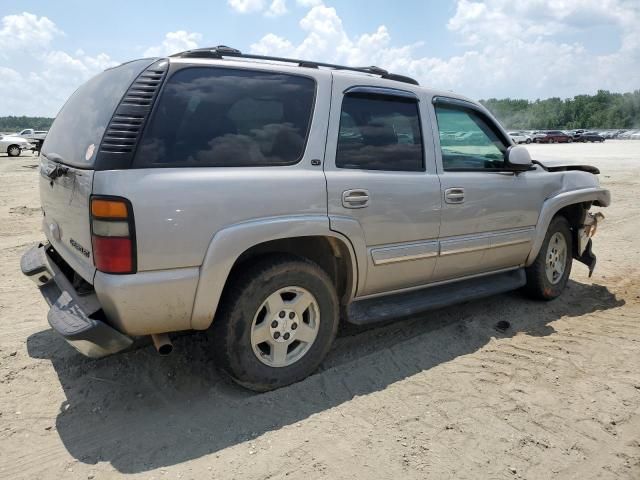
113	235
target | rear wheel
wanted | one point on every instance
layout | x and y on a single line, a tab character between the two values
277	322
547	276
13	150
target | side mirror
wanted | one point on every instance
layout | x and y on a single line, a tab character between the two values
518	158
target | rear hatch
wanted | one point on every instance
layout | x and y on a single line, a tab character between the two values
67	163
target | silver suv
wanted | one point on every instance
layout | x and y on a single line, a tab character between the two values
265	199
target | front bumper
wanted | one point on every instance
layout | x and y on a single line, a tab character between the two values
75	316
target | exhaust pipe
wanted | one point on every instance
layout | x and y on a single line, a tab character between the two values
163	344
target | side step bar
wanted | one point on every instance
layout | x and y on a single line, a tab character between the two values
388	307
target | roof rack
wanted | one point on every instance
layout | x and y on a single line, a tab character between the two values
223	51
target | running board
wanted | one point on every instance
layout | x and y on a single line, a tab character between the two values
388	307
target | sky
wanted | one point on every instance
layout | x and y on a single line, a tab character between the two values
482	49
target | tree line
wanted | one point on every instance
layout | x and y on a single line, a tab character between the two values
602	110
15	124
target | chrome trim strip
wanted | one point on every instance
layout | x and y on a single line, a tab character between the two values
484	241
451	245
464	244
512	237
404	253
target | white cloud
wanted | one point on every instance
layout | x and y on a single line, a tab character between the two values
38	78
26	31
247	6
44	91
174	42
276	9
513	48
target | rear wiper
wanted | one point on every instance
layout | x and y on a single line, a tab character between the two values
58	170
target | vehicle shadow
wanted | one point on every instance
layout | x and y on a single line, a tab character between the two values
140	411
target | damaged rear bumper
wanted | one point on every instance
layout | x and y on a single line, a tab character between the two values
75	316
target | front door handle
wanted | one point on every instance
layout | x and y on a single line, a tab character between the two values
454	195
357	198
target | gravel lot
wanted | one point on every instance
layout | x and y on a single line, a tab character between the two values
441	396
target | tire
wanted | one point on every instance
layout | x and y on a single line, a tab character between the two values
570	140
539	285
13	151
528	141
246	316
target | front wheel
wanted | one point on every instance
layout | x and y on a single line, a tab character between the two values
277	322
13	151
528	141
549	273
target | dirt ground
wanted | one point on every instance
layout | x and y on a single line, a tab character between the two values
445	395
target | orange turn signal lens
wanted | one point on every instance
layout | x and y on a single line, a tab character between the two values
108	208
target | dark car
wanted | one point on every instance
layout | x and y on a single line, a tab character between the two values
588	137
555	136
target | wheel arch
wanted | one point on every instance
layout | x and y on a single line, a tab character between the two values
233	248
573	205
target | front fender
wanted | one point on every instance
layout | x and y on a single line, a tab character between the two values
598	196
228	244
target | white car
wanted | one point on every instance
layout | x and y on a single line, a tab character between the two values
14	145
31	134
520	137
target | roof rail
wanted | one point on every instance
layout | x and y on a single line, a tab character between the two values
222	51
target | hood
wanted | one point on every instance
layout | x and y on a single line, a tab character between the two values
565	165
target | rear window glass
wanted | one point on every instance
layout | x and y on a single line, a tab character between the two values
222	117
379	133
84	117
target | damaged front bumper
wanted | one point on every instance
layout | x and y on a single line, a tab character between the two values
584	253
74	315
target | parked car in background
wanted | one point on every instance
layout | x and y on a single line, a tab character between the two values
32	134
555	136
13	145
520	137
538	136
588	137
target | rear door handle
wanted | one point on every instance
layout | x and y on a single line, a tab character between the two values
454	195
357	198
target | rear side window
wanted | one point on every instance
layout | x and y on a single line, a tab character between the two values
379	133
222	117
84	117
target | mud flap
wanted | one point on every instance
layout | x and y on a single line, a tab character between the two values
588	257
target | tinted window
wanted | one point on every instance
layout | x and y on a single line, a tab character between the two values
379	133
228	118
84	118
467	141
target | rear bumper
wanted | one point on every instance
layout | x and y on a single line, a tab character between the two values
72	315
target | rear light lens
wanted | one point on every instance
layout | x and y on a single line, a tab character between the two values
113	235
